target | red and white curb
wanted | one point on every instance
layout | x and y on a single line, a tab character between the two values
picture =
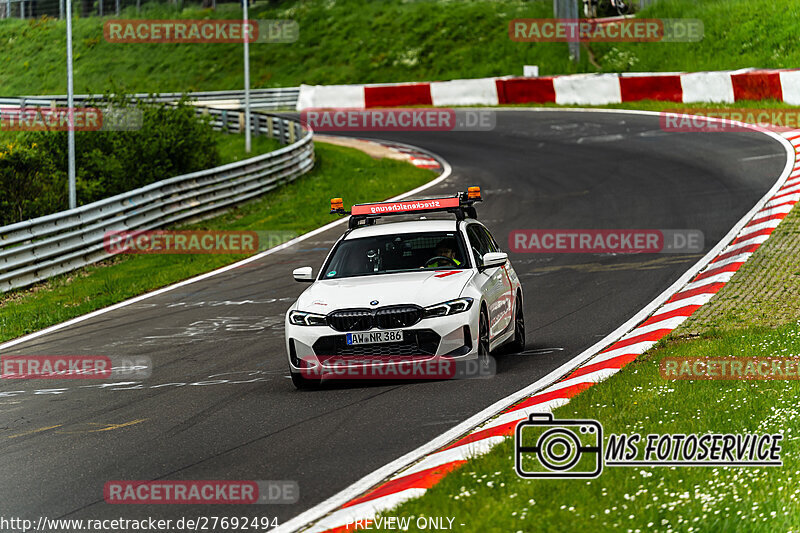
413	155
665	314
578	89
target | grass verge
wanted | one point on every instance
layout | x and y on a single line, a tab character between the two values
363	41
297	207
487	495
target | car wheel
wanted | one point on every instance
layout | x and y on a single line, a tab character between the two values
518	344
303	383
483	338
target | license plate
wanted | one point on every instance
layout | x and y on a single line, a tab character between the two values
375	337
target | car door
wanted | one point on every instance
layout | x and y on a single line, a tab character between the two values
490	280
505	306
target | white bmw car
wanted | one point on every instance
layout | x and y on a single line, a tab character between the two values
423	288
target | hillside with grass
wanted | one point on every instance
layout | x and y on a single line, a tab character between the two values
356	41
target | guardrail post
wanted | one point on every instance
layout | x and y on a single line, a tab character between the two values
270	129
281	132
241	122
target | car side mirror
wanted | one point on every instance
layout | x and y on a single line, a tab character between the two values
303	274
494	259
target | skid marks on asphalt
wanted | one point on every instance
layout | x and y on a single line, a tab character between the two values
208	329
240	377
77	429
649	264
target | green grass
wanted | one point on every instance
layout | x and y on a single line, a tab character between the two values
737	34
361	41
297	207
348	41
231	147
487	495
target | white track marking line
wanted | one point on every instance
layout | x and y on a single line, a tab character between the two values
365	511
637	348
740	258
667	323
742	244
459	453
700	299
511	416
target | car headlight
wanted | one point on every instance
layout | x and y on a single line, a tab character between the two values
301	318
451	307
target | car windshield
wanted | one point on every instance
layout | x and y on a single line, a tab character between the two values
384	254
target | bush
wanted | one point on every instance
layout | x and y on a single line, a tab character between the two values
172	140
27	189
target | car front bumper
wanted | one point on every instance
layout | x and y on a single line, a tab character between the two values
454	336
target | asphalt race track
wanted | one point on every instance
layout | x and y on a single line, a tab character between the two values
220	404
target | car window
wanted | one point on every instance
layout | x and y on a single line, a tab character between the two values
478	242
490	242
384	254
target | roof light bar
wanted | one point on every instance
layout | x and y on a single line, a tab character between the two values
460	204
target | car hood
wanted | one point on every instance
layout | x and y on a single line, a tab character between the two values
420	288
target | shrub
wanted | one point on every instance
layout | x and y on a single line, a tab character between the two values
172	140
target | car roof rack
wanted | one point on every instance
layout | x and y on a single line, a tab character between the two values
459	204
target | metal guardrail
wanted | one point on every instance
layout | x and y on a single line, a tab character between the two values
260	99
37	249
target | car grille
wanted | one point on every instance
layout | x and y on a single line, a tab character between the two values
392	317
351	320
415	342
397	317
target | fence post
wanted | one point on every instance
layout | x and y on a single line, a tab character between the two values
568	9
224	121
270	132
281	132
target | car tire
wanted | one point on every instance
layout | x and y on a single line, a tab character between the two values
303	383
518	344
483	337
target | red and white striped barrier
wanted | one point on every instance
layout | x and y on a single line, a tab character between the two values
579	89
415	479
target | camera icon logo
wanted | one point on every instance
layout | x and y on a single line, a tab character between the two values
558	449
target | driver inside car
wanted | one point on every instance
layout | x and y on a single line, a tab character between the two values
444	250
